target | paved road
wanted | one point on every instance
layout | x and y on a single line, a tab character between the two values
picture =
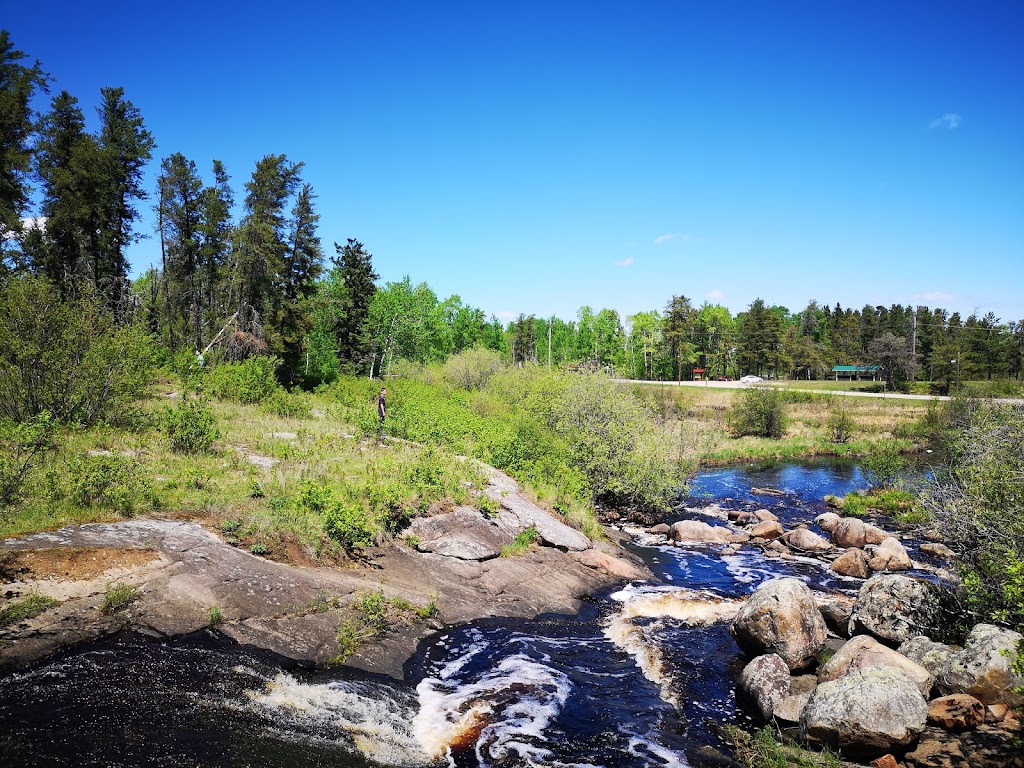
783	385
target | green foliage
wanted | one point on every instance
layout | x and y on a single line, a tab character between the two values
978	499
521	543
190	426
759	412
67	357
472	368
25	609
251	381
22	446
185	363
764	749
259	549
884	468
118	597
216	616
344	519
281	403
108	481
840	424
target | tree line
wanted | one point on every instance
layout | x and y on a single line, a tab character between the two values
252	278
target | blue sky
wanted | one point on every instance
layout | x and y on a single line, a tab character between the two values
534	157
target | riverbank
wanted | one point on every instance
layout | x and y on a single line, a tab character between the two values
179	577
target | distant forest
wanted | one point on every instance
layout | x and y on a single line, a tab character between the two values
252	278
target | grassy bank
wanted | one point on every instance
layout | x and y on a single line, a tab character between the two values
702	416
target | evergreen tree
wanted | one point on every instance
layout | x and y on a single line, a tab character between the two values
18	83
126	146
263	242
69	165
356	265
179	208
301	268
215	232
677	333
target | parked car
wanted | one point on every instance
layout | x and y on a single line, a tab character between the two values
725	378
751	380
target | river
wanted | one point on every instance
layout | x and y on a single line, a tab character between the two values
643	676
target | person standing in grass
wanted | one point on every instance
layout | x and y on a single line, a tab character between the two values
382	410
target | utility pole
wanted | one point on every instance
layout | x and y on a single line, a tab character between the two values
550	323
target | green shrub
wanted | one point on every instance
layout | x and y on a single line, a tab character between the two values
113	481
472	368
251	381
67	357
191	426
758	413
840	425
22	446
885	467
216	616
344	520
978	500
281	403
186	363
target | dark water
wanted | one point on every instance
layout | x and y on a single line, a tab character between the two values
642	677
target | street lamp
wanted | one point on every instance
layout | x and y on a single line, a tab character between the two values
957	361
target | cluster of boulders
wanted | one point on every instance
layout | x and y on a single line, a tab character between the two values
868	679
854	548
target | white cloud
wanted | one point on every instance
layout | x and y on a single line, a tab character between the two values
662	239
506	315
715	295
950	121
626	262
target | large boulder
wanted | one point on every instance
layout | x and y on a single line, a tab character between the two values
931	655
865	713
765	682
781	617
864	652
956	712
849	532
699	532
895	608
984	667
853	563
806	540
615	566
462	533
875	535
837	616
767	529
890	555
827	521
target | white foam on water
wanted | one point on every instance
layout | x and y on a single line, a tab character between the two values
376	718
504	713
641	747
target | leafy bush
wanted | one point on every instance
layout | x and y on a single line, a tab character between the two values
251	381
345	520
191	426
978	499
758	413
521	543
67	357
472	368
281	403
885	467
112	481
840	424
21	448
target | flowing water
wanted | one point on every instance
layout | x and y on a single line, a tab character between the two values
641	677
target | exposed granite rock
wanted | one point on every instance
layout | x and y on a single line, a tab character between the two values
463	533
853	563
781	617
895	608
765	681
956	712
864	652
984	667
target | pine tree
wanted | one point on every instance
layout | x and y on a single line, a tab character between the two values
356	265
301	267
180	192
18	83
216	231
126	146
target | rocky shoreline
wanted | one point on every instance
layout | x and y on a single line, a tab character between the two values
186	579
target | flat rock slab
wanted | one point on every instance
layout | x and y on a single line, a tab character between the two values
262	602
